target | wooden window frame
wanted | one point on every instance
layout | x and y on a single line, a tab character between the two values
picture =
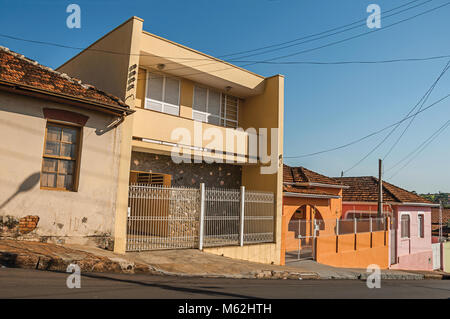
76	159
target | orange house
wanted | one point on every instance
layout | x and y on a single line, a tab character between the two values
313	225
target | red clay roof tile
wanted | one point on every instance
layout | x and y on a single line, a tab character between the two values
17	69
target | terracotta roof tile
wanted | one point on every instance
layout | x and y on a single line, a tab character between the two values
435	215
17	69
305	190
303	175
365	189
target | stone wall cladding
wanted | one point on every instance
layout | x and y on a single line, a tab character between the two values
189	174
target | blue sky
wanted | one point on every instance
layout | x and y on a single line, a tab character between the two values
325	105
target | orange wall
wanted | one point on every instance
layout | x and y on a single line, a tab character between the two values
350	250
354	251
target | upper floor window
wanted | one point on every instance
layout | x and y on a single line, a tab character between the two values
162	94
214	107
59	164
405	226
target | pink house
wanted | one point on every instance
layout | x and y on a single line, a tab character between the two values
410	229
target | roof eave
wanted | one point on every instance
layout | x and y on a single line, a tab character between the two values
30	90
292	194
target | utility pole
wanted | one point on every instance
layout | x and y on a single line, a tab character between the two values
380	188
440	221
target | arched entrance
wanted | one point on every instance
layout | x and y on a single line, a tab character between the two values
302	229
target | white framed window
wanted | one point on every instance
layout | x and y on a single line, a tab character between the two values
214	107
162	94
421	225
405	222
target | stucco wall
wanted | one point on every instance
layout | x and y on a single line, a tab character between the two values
446	256
188	174
414	252
64	215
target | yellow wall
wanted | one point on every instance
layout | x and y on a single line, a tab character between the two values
261	107
260	253
266	111
446	256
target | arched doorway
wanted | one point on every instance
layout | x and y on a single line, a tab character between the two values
302	229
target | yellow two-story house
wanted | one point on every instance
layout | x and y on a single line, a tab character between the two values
190	103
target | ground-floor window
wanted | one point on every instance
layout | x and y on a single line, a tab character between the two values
405	226
420	220
61	156
152	179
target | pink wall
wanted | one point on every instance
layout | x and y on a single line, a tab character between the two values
414	253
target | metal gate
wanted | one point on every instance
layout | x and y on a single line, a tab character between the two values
162	217
168	218
301	239
393	241
436	255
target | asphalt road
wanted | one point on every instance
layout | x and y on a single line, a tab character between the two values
23	283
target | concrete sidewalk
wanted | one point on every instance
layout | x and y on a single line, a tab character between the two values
329	272
186	263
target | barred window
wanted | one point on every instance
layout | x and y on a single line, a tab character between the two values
60	159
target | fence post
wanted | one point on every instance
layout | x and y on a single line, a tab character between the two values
202	215
241	232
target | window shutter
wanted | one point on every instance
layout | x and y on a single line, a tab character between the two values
172	91
199	99
155	87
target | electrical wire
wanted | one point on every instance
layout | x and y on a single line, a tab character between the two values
371	134
420	148
422	101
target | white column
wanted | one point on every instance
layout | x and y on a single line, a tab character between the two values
202	215
241	239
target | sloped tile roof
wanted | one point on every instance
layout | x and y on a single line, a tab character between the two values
305	190
435	215
17	69
302	175
365	189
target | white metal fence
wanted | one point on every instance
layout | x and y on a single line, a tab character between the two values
169	218
162	218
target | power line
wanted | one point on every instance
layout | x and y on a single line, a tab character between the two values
422	100
251	63
356	36
420	148
425	98
312	35
371	134
326	45
335	33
